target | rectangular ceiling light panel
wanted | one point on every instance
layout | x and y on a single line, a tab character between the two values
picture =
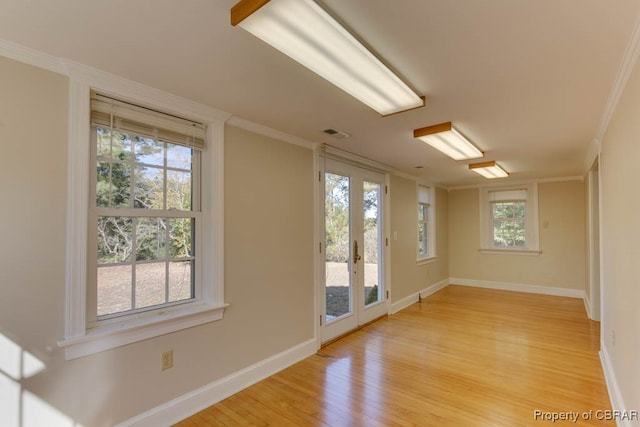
445	138
489	170
304	31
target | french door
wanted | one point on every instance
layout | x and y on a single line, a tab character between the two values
354	289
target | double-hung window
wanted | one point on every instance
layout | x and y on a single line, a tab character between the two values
149	261
146	209
509	218
426	234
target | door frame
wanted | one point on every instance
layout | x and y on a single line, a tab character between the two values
593	236
321	154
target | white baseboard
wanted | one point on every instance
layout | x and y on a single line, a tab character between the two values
520	287
413	298
188	404
612	386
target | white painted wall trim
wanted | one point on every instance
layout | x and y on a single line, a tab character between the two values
32	57
519	287
624	72
593	151
190	403
587	306
520	182
613	388
413	298
418	179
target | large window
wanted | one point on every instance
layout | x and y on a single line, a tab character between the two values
146	210
426	229
145	235
509	218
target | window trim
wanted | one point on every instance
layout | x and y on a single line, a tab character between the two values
78	339
430	256
531	221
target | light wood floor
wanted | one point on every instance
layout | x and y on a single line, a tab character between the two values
463	357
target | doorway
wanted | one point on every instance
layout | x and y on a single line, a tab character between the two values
354	286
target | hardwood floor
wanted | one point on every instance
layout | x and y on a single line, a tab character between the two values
462	357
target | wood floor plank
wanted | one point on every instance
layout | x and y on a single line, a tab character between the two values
463	356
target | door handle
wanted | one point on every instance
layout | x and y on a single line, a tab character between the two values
356	255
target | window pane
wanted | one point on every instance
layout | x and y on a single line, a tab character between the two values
423	217
150	284
181	237
180	281
115	239
103	185
148	151
149	188
113	183
372	235
120	145
337	246
104	143
179	190
150	239
178	157
422	239
114	289
509	224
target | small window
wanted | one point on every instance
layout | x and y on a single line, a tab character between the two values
426	246
509	218
509	224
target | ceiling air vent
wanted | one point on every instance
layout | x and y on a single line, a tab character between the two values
336	133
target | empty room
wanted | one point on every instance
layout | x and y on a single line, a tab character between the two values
319	213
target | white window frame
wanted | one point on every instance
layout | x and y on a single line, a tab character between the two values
80	340
426	197
531	220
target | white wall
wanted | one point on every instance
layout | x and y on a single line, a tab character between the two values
620	243
268	266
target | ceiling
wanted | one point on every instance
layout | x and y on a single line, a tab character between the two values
526	80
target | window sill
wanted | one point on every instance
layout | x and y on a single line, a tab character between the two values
425	261
129	331
529	252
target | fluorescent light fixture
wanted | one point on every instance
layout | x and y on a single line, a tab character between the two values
489	170
304	31
445	138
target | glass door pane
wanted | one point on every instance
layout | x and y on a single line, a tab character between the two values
337	246
372	237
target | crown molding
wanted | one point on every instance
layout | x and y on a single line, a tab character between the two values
520	182
624	72
33	57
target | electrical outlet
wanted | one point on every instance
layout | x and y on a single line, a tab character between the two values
167	360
